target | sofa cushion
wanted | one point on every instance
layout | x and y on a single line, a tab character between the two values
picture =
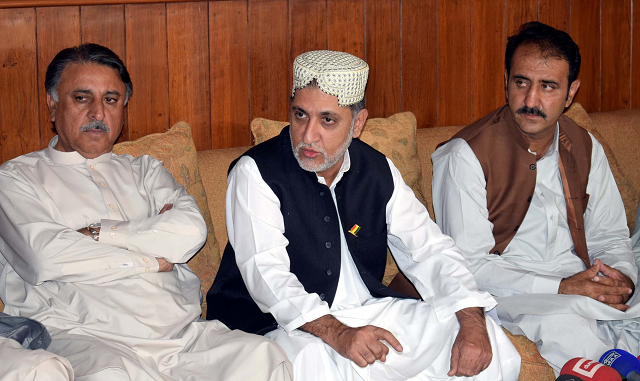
618	129
176	149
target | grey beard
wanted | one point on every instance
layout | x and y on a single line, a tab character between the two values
329	161
95	125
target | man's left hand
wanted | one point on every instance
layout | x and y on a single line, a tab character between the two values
471	352
613	277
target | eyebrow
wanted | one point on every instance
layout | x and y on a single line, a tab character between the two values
544	81
86	91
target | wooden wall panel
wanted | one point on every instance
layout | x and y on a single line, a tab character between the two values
487	70
419	71
382	53
188	56
345	26
104	25
229	65
635	54
616	54
19	133
307	27
555	13
58	28
269	59
585	16
518	12
146	46
454	62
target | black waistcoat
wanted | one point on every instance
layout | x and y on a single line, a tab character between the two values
312	229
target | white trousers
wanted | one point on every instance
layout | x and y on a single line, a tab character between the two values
204	351
426	344
19	364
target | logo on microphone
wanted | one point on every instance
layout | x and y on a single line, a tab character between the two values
586	367
611	357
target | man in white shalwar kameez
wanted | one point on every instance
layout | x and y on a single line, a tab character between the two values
310	214
529	198
94	247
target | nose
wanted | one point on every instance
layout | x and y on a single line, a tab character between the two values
311	131
96	111
532	98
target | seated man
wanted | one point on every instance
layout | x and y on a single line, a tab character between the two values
529	198
310	214
94	246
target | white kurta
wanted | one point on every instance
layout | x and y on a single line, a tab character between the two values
429	259
526	277
105	303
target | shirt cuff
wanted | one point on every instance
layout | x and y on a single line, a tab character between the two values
306	317
145	263
114	233
546	284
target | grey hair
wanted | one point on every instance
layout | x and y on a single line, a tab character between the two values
85	53
355	108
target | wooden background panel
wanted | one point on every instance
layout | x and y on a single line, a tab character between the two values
518	12
419	71
454	62
382	53
635	54
555	13
487	70
104	25
146	46
345	26
57	28
229	66
616	54
188	56
269	59
19	132
585	17
307	28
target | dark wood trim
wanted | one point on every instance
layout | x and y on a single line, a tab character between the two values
57	3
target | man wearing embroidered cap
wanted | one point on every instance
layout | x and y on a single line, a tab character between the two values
310	214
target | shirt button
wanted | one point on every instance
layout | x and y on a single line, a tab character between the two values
322	296
111	206
101	183
529	199
92	167
327	245
327	218
328	271
113	235
532	167
146	269
145	260
497	252
321	193
114	227
154	230
516	229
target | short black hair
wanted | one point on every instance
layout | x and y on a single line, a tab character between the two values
85	53
550	41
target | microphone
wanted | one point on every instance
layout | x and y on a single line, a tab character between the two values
589	370
624	362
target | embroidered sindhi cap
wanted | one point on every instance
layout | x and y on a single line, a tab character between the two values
336	73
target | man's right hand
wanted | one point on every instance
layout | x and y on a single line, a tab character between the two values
583	283
362	345
165	266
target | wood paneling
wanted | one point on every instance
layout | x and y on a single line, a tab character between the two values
345	26
487	69
555	13
616	54
518	12
419	71
383	56
104	25
218	64
146	46
269	59
188	56
585	16
229	65
454	62
19	133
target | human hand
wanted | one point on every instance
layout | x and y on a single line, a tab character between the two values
165	208
362	345
614	277
611	291
471	352
91	231
165	266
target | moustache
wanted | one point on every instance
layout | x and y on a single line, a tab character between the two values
531	111
95	125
